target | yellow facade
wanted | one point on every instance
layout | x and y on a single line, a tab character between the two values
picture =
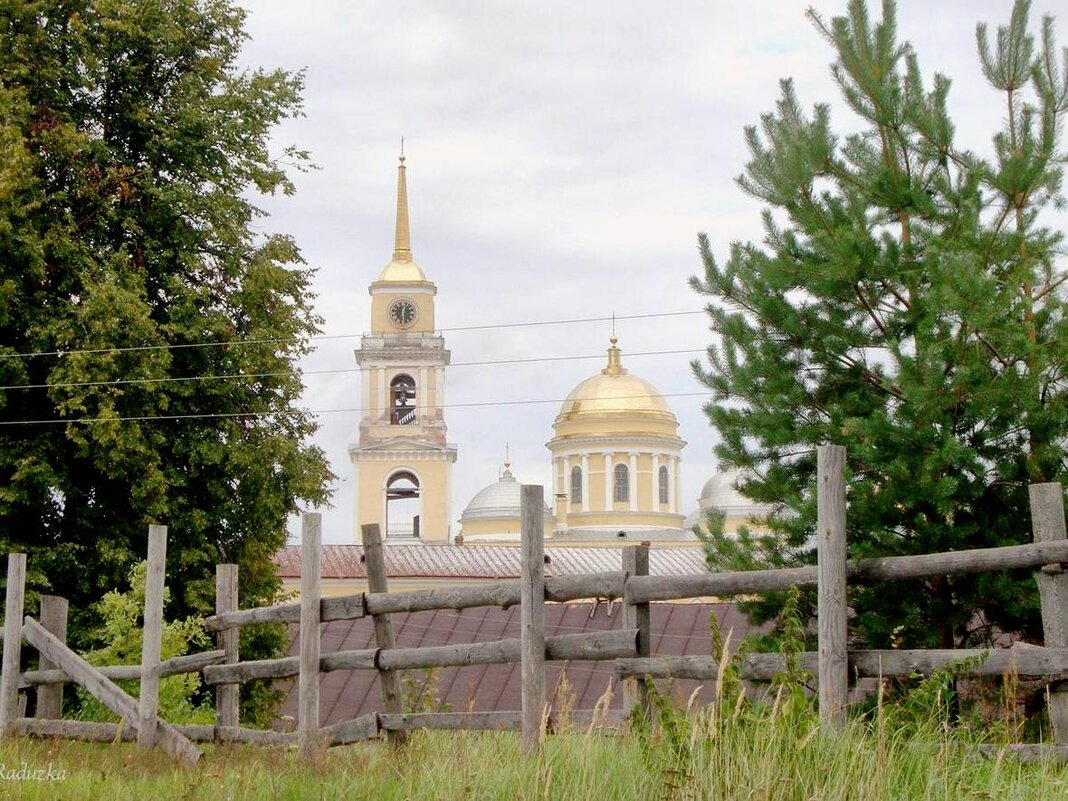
433	469
385	293
402	461
498	530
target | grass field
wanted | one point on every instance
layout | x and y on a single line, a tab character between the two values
772	753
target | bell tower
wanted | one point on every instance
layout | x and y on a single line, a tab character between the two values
402	462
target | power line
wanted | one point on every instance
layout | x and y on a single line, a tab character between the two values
324	337
284	412
289	373
575	320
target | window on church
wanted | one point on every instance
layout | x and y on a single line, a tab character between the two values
576	485
402	411
622	484
662	479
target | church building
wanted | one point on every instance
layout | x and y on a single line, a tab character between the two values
615	452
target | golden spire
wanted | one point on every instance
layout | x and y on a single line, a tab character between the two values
615	362
402	249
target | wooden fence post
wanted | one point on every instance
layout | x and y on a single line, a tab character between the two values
833	659
227	695
377	581
54	620
310	611
9	678
532	612
636	616
152	637
1047	520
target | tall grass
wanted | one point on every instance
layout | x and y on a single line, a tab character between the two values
774	750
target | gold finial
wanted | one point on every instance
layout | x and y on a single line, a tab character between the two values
402	248
507	464
615	362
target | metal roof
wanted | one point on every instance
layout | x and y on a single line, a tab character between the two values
676	629
483	561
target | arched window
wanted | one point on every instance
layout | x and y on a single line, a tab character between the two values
622	484
662	480
576	484
402	506
402	400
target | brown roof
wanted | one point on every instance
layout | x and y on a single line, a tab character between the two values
484	561
676	628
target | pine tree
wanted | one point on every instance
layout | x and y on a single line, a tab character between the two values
131	150
907	302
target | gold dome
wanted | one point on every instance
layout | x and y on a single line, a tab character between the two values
402	270
614	391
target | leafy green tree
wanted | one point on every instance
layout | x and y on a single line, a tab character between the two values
132	149
118	642
907	302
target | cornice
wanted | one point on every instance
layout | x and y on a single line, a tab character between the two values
573	446
370	454
402	288
400	357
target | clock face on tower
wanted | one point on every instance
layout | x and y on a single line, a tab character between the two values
402	312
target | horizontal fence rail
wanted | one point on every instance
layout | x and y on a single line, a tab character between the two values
191	663
560	589
602	645
110	732
1025	661
361	729
890	568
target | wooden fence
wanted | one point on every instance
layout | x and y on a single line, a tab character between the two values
628	647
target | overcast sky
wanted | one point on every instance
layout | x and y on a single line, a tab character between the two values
562	157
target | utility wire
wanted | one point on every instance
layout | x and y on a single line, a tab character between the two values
289	373
284	412
575	320
324	337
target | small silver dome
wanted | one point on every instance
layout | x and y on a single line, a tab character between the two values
719	493
500	499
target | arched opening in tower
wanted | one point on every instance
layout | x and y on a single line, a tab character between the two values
402	411
403	506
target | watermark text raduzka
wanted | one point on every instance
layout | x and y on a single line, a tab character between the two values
24	773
